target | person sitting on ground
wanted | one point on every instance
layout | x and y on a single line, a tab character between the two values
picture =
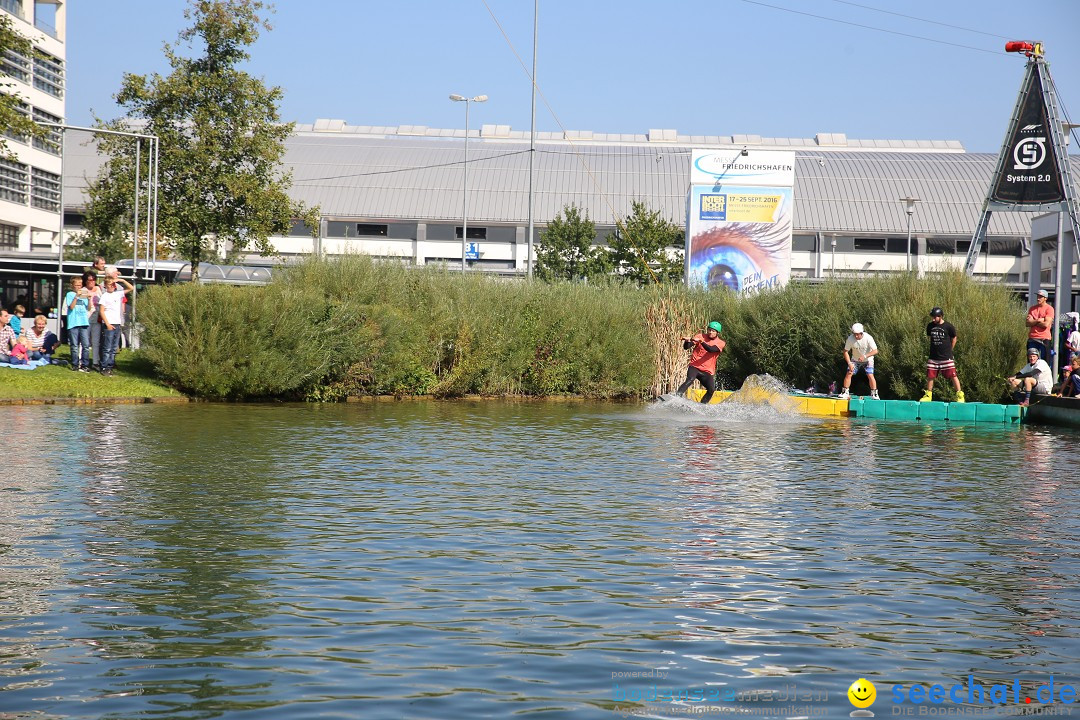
17	314
42	342
1035	376
859	352
1070	381
20	351
7	336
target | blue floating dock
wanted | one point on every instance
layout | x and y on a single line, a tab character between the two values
933	410
971	412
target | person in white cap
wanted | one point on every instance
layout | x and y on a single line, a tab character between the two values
1036	375
859	352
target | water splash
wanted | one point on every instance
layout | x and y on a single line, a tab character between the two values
762	398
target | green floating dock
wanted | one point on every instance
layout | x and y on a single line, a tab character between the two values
927	411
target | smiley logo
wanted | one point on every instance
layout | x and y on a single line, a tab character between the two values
862	693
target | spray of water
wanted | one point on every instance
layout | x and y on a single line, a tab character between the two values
762	399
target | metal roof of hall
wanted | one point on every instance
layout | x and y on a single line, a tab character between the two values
415	173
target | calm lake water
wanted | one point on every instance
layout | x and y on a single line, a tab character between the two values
497	559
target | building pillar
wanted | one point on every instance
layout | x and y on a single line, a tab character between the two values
421	238
521	260
1035	266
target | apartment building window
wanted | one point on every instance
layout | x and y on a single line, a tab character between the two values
16	65
13	181
45	190
51	143
12	6
23	109
49	74
9	236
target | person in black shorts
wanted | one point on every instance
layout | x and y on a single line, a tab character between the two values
942	341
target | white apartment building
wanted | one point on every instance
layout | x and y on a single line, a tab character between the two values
30	196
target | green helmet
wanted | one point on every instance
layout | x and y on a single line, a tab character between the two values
714	325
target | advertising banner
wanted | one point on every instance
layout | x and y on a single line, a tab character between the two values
1030	174
739	237
771	168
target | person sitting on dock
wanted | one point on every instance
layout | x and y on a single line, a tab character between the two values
706	347
942	341
859	352
1070	381
1035	376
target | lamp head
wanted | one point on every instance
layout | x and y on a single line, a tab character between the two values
457	98
480	98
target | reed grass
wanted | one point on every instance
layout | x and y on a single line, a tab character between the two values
328	329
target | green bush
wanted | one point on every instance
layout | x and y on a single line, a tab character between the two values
797	333
328	329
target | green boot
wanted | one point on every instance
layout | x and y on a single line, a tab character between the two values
960	396
927	396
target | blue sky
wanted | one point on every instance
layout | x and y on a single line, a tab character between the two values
700	66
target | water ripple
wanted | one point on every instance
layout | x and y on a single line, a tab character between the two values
421	560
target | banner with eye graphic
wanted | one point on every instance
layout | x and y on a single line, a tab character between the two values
739	237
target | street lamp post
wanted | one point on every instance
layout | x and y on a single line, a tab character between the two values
465	173
909	206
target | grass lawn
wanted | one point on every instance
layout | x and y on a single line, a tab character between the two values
133	378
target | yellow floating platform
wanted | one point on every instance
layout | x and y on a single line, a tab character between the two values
807	405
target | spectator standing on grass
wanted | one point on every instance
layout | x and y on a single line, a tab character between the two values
1040	322
77	303
112	318
89	279
942	341
7	336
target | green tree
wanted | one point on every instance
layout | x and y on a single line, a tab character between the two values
14	117
647	247
221	143
566	250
